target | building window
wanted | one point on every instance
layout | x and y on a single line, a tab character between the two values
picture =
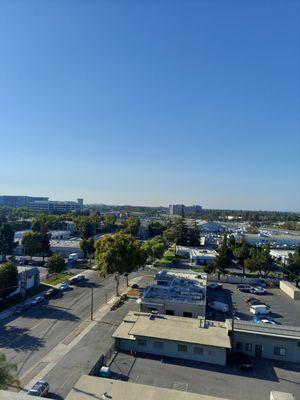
169	312
198	350
211	353
142	342
182	348
239	345
248	346
298	344
187	314
280	351
158	345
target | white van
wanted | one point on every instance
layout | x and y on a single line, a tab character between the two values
260	309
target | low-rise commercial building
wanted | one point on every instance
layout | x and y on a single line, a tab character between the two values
177	292
165	335
276	342
91	388
50	206
197	255
281	255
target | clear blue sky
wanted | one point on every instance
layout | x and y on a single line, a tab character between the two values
152	102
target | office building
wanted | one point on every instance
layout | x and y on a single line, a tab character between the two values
56	206
176	209
197	256
19	201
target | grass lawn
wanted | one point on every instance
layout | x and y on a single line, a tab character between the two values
11	301
54	280
166	259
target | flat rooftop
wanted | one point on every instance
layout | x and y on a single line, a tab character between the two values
91	388
178	286
177	329
285	331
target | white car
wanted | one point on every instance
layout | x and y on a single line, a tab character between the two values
218	306
267	321
258	290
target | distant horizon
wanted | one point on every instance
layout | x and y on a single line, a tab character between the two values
141	102
146	205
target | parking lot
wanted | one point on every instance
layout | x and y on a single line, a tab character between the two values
227	382
284	310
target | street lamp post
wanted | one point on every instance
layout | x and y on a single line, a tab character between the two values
92	303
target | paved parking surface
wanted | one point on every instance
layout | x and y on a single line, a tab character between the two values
285	310
228	382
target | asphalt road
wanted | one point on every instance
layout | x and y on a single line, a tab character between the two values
26	339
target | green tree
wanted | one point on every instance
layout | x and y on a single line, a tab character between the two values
156	228
87	247
292	271
177	232
110	222
260	261
242	253
7	243
31	243
118	254
44	237
131	226
8	279
56	264
155	247
222	261
7	373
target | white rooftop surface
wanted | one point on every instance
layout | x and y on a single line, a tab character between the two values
207	253
65	243
91	388
168	327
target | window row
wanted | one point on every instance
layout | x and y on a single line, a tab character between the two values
277	351
182	348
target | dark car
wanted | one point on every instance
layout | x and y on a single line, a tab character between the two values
244	288
247	364
21	308
135	286
40	389
51	293
253	301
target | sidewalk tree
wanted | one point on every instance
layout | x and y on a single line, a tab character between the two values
31	243
8	372
7	240
118	254
222	261
8	279
56	264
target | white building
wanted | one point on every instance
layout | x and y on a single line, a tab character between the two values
197	255
281	255
177	292
56	206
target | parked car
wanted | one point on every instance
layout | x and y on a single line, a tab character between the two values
252	301
244	288
247	364
264	320
51	292
64	286
260	309
21	308
40	389
258	290
215	286
218	306
37	300
135	286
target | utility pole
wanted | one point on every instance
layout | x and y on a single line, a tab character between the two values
92	303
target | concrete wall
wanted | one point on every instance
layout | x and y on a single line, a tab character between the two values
268	343
179	308
238	279
209	354
290	289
